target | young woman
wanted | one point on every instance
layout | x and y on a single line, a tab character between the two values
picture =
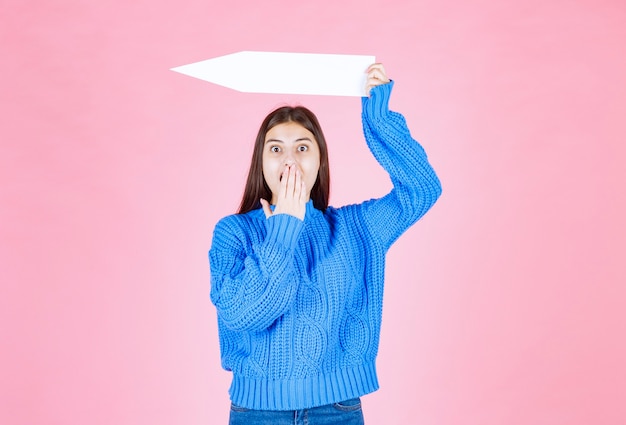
298	285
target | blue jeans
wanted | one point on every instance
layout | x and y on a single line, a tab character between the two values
344	413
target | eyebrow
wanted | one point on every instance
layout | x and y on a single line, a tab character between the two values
301	139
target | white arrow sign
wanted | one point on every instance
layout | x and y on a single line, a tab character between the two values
288	73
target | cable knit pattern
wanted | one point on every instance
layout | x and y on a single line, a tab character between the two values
299	303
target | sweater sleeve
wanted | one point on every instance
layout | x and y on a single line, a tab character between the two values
253	284
416	187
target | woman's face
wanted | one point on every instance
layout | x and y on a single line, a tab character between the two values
286	144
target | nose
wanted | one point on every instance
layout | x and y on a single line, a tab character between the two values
289	159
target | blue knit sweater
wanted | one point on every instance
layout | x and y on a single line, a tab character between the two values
299	303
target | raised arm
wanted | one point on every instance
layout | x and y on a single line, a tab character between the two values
416	187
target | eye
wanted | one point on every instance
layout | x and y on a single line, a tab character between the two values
274	149
303	148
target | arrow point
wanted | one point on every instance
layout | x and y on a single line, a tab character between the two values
286	73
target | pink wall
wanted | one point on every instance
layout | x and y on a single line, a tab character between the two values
505	305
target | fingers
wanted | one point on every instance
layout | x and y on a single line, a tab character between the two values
284	179
292	183
377	71
298	185
292	186
376	76
292	197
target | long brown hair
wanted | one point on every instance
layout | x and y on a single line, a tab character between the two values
257	188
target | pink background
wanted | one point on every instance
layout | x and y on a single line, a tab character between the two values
504	305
